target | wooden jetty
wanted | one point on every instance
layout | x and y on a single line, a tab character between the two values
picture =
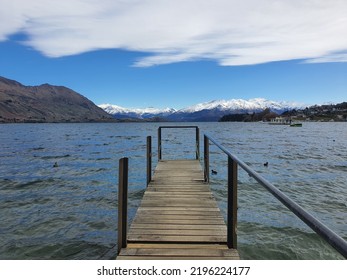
178	217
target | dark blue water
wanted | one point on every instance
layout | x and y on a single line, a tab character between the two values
70	211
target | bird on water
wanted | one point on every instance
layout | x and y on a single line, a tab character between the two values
214	172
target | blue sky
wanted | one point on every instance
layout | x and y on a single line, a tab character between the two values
150	53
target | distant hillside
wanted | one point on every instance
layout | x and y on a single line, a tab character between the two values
322	113
46	103
265	115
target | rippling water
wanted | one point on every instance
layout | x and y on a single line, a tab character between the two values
70	211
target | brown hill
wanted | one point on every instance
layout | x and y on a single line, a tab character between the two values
46	103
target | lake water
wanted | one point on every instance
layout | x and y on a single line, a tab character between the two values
70	211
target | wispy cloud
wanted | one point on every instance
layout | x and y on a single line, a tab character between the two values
231	32
334	57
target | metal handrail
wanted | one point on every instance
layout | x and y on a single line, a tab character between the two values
197	140
337	242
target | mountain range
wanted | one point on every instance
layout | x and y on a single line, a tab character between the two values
46	103
146	113
207	111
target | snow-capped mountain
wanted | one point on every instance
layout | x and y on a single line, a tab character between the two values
208	111
124	113
243	105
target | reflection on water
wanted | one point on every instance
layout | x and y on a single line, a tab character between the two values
58	185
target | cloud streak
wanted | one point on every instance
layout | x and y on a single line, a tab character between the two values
231	32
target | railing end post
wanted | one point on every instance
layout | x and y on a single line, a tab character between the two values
232	204
197	140
122	203
206	159
149	159
159	143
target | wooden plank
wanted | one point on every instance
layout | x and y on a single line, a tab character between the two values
183	181
166	211
196	252
188	177
172	217
188	174
180	232
184	198
179	189
176	246
175	238
178	217
161	196
180	222
190	198
166	226
177	203
149	193
182	208
178	171
180	181
179	198
188	162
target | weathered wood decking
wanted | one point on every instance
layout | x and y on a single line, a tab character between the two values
178	218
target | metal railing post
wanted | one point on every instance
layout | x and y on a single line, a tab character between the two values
149	159
206	159
232	204
197	143
122	203
159	143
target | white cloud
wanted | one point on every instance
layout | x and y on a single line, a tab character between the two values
232	32
335	57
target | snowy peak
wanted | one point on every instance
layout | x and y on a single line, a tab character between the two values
149	112
251	105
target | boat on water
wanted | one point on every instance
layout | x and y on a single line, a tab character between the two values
284	121
295	125
280	121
